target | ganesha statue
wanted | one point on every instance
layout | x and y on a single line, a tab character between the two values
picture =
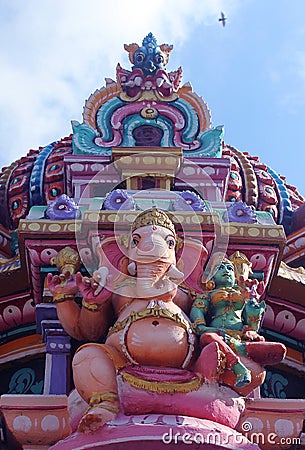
140	299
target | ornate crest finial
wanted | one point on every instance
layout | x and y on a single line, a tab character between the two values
149	57
153	216
149	41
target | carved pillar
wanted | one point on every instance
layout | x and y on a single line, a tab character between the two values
58	359
58	347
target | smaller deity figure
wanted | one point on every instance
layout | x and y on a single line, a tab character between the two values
229	314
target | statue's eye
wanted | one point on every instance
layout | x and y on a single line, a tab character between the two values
140	57
134	242
159	59
171	243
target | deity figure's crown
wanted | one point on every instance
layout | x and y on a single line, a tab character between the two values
217	260
153	216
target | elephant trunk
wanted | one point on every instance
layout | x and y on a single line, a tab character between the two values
152	281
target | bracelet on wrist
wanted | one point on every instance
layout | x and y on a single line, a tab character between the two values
94	307
59	298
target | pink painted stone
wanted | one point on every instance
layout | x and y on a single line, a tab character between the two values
211	401
155	431
273	422
36	420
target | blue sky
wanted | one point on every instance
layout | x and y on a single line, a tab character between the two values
55	53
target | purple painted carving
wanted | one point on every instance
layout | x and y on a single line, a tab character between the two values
62	208
58	350
119	199
240	212
57	372
187	199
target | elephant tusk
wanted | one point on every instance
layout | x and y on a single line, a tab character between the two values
132	268
174	274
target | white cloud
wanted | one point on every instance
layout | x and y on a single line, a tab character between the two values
54	53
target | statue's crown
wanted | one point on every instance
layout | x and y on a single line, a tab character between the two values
153	216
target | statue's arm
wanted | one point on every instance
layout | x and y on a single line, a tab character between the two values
184	300
93	324
198	315
96	311
91	320
81	323
252	317
253	313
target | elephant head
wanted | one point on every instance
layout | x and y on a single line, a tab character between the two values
152	255
149	253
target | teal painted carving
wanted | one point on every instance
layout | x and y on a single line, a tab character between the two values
104	115
274	386
83	140
253	312
285	206
23	382
211	144
147	98
191	119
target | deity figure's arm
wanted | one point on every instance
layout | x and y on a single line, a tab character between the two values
252	317
88	322
199	313
184	299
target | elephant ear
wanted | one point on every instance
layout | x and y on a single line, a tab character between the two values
191	259
111	255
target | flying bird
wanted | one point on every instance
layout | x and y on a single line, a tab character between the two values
222	19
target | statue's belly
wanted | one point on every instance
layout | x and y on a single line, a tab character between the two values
156	342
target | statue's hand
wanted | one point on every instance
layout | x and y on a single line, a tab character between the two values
91	289
253	307
256	288
100	276
63	286
251	335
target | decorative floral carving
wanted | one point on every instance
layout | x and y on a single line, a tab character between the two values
187	199
62	208
240	212
119	199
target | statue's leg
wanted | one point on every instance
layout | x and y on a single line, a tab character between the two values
266	352
94	373
208	364
243	375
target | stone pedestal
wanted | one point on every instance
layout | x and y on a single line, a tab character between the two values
36	421
157	431
273	422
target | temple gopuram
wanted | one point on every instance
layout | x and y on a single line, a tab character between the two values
152	280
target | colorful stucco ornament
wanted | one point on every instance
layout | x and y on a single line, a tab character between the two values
240	212
172	296
147	97
151	308
62	208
